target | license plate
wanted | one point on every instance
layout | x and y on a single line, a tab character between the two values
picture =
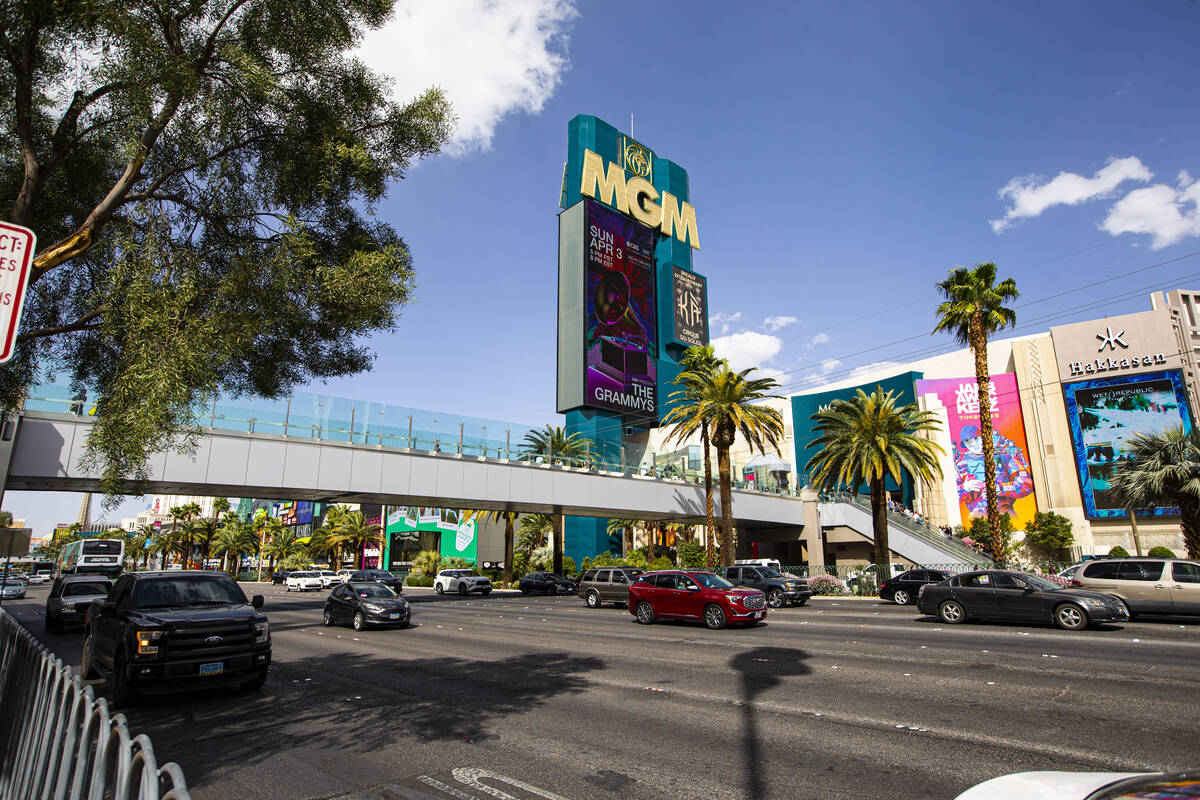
759	614
212	669
393	616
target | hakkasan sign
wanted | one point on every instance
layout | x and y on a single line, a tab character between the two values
1014	479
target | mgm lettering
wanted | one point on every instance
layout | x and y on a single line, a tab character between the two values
1110	364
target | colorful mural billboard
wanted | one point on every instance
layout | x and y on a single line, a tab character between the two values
1014	479
1105	414
619	313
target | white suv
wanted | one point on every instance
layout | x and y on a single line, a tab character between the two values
303	581
462	581
329	578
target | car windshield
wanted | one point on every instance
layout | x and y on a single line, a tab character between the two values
374	590
550	576
189	590
1041	583
710	581
379	574
88	587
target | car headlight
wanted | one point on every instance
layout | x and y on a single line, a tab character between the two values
373	608
147	642
262	632
1094	602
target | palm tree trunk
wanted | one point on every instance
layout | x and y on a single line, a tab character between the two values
628	541
726	484
710	555
982	378
508	549
556	527
1189	520
879	526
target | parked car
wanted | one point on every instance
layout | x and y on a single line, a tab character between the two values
546	583
779	590
14	588
164	632
868	573
329	578
694	595
303	581
70	597
463	581
38	577
378	576
1145	585
366	604
607	585
904	588
1019	597
279	576
1087	786
759	562
344	575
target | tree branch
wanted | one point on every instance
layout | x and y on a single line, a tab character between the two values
80	324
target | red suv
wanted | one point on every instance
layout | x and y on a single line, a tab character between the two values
694	594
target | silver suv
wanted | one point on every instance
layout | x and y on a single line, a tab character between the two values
607	585
1145	585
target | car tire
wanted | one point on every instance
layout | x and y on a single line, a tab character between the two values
255	683
714	617
902	597
593	599
800	602
437	588
952	612
1070	617
87	662
775	598
645	613
525	590
327	618
124	688
486	592
462	590
360	622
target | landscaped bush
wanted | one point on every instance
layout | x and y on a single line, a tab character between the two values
1161	552
826	584
417	579
1119	552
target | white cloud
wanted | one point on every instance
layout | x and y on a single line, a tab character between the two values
1030	195
493	58
820	338
1159	210
775	323
725	321
747	349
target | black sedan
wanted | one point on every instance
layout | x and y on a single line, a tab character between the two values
1017	597
546	583
904	588
279	576
378	576
366	604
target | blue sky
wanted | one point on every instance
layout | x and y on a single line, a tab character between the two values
842	157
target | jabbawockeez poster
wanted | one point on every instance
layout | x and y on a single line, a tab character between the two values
1014	479
619	314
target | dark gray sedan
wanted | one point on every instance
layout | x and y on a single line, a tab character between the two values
70	596
1017	597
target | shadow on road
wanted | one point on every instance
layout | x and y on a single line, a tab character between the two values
761	669
341	704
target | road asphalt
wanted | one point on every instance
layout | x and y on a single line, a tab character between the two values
540	697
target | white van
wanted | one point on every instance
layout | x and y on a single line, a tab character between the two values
759	562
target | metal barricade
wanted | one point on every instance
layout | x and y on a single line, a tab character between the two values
58	740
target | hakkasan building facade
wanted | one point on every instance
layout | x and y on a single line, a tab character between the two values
1065	404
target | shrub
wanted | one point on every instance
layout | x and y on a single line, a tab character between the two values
457	563
1161	552
981	532
427	562
637	558
662	563
691	555
1119	552
417	579
826	584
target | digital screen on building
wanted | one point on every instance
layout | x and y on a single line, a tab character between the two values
1014	478
619	313
1104	415
691	308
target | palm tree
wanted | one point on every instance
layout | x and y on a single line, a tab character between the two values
326	543
623	527
221	506
534	528
357	534
139	545
973	310
866	439
280	541
187	513
233	541
554	445
1165	471
729	402
699	365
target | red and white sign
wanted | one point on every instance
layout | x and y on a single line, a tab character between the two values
17	246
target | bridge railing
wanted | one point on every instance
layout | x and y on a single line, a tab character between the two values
58	740
921	530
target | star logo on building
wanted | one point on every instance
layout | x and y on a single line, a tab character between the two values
1110	340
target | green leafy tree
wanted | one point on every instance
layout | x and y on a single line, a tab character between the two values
428	562
998	546
534	531
139	545
728	402
1164	471
326	544
553	445
623	528
692	555
1050	531
866	439
975	308
357	535
201	177
6	519
699	365
1161	552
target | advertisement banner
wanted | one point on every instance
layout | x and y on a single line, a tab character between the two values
1104	414
463	542
1014	479
619	314
691	308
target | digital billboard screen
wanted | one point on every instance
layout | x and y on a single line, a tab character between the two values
620	333
1014	479
1104	415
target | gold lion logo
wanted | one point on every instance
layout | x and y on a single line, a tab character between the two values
637	159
